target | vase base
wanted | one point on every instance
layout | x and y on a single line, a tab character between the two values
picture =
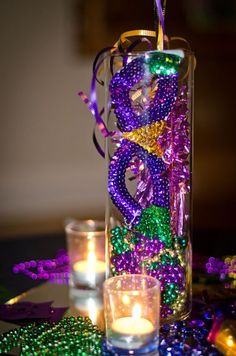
177	317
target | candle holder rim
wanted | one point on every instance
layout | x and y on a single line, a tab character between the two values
156	281
96	227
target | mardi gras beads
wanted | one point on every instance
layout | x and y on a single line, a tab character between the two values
128	120
143	94
56	269
70	336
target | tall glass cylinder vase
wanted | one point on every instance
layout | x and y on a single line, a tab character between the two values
148	108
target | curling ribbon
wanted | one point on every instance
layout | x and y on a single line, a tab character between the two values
124	45
92	103
160	15
133	33
161	26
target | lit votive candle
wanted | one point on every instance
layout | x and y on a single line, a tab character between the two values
131	305
132	332
89	272
86	250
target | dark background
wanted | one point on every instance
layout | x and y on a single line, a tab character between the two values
209	27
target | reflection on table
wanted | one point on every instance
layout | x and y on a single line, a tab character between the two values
86	304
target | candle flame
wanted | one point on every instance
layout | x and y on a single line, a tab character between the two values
91	258
91	247
125	299
136	312
230	341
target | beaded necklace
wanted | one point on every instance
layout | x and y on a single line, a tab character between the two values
51	269
70	336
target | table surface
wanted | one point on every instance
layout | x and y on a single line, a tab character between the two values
86	305
62	296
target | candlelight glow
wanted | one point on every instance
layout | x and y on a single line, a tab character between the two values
230	341
91	256
125	299
92	310
91	246
91	261
136	312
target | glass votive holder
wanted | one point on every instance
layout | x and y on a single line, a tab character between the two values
132	314
86	250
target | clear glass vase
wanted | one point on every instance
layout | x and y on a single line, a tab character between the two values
148	110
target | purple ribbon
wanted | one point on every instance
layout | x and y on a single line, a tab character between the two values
160	15
92	102
93	99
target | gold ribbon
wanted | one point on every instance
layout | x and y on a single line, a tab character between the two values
124	40
124	37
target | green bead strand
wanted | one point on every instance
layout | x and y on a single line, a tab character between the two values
155	222
163	63
70	336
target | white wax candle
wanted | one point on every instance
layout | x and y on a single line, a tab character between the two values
132	326
132	332
84	266
90	271
87	272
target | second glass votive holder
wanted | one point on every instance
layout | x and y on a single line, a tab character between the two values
86	250
132	315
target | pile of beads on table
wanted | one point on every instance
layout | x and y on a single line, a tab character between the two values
70	336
